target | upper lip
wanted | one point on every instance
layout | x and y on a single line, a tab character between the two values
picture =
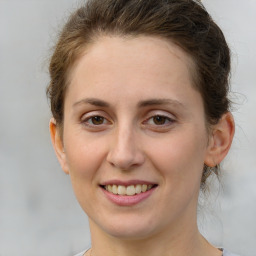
127	182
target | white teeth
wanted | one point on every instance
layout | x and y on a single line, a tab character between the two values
138	189
109	188
129	190
144	188
121	190
114	189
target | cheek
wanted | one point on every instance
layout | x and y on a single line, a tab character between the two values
84	156
180	157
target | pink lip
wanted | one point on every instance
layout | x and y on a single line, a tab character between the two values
127	183
128	200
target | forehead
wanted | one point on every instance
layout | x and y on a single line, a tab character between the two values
146	52
144	67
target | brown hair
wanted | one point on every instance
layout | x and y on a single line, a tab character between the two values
184	22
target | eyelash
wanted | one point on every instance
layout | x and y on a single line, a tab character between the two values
89	121
165	122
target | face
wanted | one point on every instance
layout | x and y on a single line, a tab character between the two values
134	138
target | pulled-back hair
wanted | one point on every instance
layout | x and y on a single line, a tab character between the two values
184	22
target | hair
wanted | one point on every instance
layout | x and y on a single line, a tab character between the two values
183	22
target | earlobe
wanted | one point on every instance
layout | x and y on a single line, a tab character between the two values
220	140
58	145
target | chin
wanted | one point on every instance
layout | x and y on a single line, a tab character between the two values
129	234
129	230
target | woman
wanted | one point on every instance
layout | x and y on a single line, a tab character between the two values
141	118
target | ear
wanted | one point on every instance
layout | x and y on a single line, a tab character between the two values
58	145
220	140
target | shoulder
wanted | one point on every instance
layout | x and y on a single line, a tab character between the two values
226	253
80	254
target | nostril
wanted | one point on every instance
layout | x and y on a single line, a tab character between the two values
126	158
124	151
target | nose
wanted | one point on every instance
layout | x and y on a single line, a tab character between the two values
125	152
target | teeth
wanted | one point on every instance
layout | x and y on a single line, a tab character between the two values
144	188
121	190
138	189
114	189
129	190
109	188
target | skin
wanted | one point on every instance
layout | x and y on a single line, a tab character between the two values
128	82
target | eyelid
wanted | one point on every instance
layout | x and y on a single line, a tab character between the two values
93	113
87	116
162	113
166	117
170	119
91	117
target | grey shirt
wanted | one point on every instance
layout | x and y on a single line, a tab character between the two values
225	253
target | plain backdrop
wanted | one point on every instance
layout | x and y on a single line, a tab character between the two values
39	214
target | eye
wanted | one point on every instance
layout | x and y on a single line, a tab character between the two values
94	121
159	120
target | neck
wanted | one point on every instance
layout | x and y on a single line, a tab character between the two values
169	242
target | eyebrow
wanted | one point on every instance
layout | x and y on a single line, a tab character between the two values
152	102
141	104
92	101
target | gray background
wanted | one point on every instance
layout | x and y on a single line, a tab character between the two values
38	211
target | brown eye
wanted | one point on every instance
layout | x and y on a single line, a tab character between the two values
97	120
160	120
95	123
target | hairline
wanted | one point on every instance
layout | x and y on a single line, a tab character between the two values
98	35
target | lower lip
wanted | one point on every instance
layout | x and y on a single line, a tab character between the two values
128	200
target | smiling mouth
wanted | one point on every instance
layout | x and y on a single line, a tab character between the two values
130	190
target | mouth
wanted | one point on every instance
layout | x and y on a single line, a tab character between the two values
129	190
